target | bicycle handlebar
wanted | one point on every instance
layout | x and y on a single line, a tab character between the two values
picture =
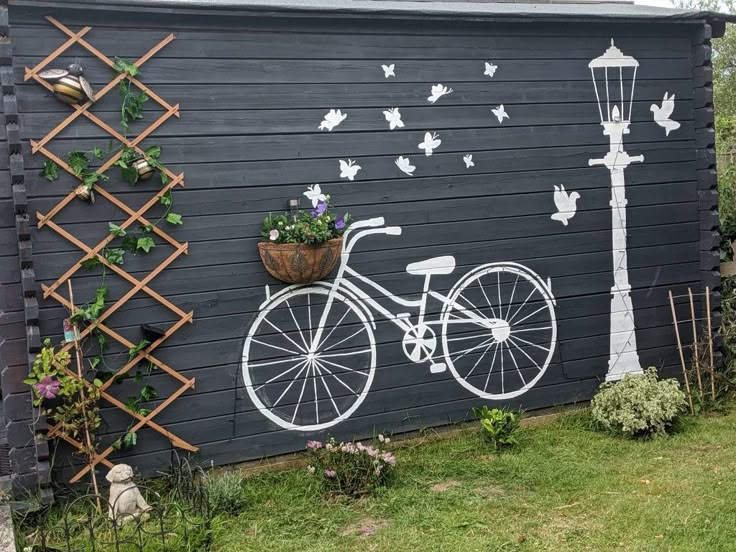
393	230
370	223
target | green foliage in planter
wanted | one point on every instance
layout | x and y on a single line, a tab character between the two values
311	227
639	405
498	426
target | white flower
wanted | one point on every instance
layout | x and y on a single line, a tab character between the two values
273	235
311	469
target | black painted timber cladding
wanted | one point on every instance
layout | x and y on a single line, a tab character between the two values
252	92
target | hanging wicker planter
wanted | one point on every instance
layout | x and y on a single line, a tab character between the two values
299	263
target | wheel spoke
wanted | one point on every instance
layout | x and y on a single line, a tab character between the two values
514	332
301	393
305	363
502	387
540	309
493	311
316	398
525	353
362	329
327	388
500	303
297	365
271	362
285	335
545	349
512	296
336	365
345	385
466	351
511	318
493	363
309	315
480	358
347	311
351	353
299	329
475	336
277	347
470	303
517	366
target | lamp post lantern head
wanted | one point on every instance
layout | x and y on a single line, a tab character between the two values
616	73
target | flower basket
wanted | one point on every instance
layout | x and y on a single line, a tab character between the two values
299	263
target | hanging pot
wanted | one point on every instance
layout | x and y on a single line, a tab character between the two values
144	169
299	263
84	193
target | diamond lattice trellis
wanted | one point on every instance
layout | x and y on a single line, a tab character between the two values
134	216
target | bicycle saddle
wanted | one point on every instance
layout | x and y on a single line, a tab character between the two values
435	265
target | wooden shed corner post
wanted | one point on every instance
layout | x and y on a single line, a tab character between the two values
707	178
25	426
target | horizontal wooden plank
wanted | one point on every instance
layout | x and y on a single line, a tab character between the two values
418	120
214	97
247	71
28	40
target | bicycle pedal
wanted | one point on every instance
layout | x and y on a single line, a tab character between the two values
438	367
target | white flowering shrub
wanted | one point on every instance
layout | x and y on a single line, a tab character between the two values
639	405
351	469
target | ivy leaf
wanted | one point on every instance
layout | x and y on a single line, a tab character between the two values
148	393
89	180
94	362
129	175
50	170
78	162
91	263
101	340
147	228
154	152
164	178
98	153
166	199
145	244
174	218
97	382
114	255
124	66
115	230
133	351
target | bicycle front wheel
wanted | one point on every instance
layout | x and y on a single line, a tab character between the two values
499	330
300	384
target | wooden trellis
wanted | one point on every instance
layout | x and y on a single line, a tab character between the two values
134	216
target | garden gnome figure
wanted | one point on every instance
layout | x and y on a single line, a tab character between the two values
126	502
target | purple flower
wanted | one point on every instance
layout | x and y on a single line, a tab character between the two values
314	444
330	473
48	388
340	223
319	209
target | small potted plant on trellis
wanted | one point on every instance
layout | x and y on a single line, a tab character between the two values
304	247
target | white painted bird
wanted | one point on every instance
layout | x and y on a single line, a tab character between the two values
405	165
438	90
349	169
566	204
662	114
333	119
490	69
431	142
388	70
500	113
393	116
468	159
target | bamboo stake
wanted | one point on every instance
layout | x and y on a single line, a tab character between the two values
710	346
696	353
682	356
78	355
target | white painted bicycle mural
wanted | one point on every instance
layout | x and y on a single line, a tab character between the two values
310	356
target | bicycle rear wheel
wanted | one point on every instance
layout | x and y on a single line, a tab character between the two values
504	348
299	385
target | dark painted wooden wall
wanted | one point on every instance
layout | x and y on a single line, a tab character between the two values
252	94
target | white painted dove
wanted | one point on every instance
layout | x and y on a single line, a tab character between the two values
566	204
662	114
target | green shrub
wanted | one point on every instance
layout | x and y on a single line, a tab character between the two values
226	493
498	425
351	469
639	405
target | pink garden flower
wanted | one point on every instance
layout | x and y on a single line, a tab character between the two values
273	235
48	387
314	444
330	473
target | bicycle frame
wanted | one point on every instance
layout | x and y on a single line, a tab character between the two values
401	319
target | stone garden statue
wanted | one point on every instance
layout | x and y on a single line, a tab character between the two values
126	501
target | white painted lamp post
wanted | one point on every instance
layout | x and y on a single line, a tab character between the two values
614	69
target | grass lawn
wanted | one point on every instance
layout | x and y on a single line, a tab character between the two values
564	488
